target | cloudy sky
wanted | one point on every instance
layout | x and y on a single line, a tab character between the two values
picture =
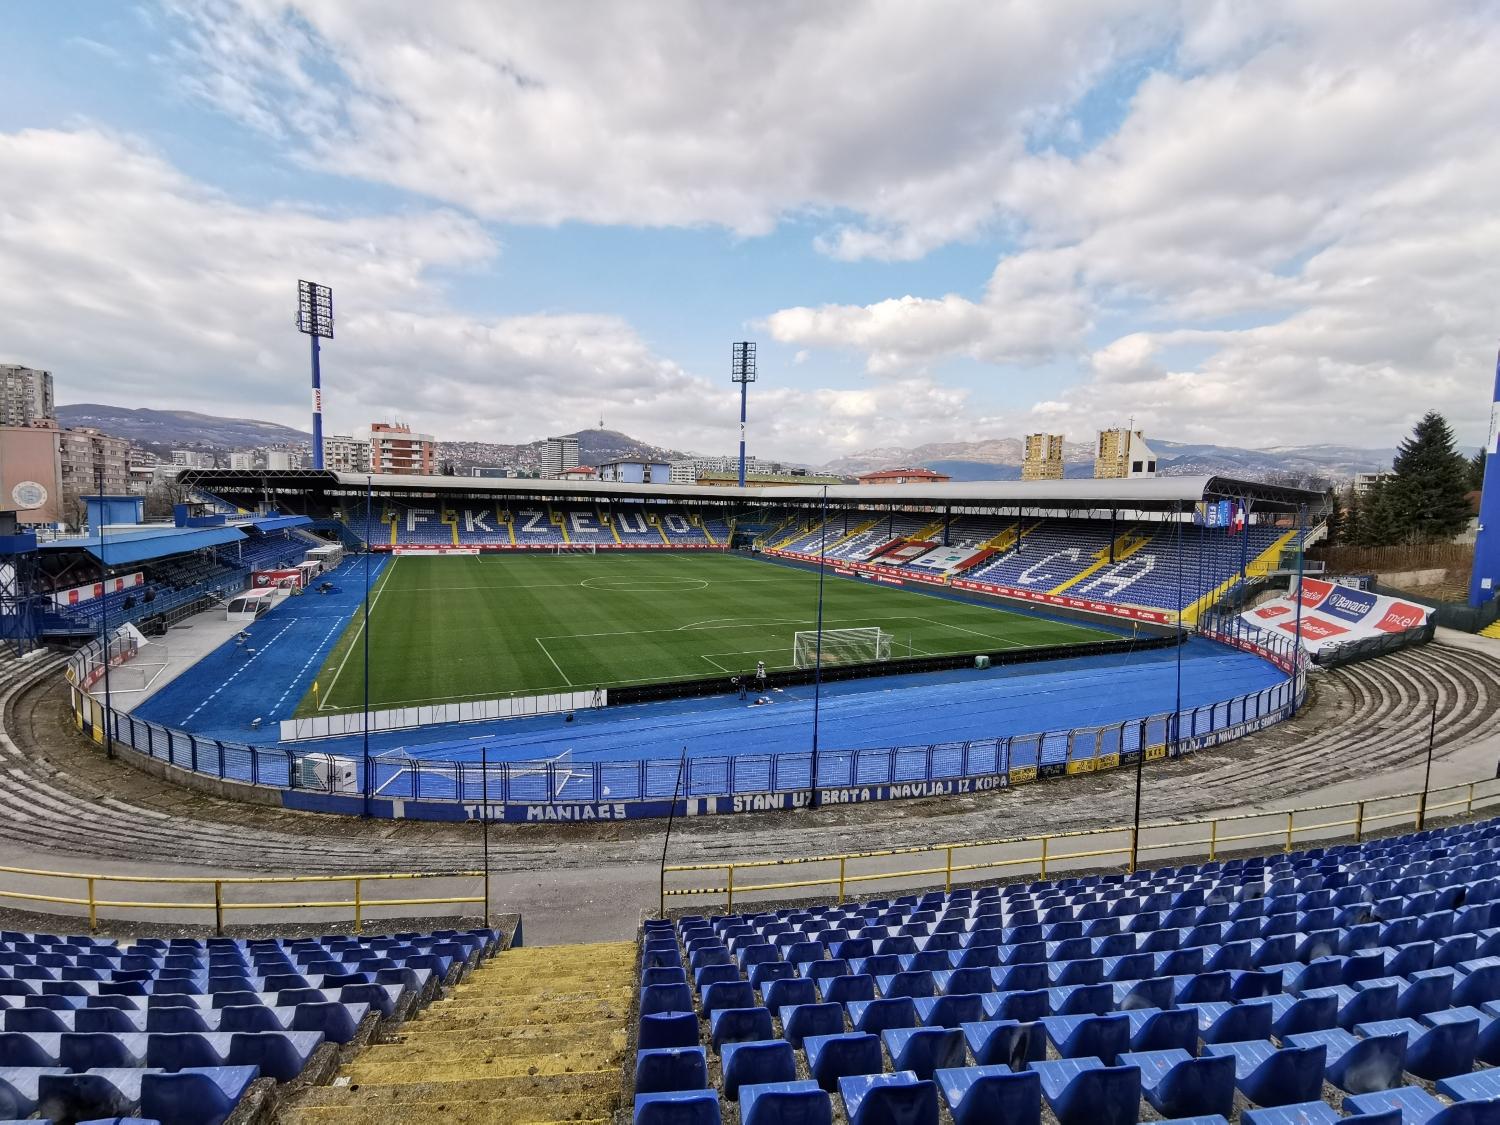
1267	222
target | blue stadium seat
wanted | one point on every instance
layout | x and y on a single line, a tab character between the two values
889	1099
923	1050
1104	1037
756	1063
803	1020
980	1095
662	1070
801	1102
1178	1085
831	1057
1358	1065
1269	1076
1432	1052
1086	1092
1005	1043
739	1025
688	1107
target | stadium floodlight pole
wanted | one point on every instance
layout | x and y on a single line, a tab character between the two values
742	371
661	874
1301	554
315	320
1427	777
1484	580
818	655
1181	640
369	487
109	730
484	782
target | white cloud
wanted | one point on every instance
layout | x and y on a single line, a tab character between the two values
1323	184
137	285
667	112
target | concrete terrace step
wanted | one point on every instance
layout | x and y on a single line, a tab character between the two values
533	1035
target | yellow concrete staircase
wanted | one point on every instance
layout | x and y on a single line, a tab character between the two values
1262	564
534	1036
1492	631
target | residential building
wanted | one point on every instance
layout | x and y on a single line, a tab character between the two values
1365	482
193	459
1043	458
903	476
25	396
763	480
243	460
92	462
687	471
581	472
283	460
491	472
1123	453
559	453
344	453
636	472
395	449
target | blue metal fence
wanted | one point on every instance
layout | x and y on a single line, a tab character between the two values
1008	759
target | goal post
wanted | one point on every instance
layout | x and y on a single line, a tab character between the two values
840	646
576	549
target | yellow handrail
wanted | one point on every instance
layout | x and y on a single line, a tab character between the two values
358	904
1281	830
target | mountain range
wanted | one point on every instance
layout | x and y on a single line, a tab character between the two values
990	459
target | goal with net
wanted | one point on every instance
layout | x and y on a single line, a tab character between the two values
576	549
840	646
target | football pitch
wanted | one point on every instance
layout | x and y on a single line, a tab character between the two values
446	630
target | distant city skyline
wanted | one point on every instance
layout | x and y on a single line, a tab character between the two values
1239	224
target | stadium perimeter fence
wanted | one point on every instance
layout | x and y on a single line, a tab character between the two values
395	785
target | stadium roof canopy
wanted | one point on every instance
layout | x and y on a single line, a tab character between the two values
1140	493
129	546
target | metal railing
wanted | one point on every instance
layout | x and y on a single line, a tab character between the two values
1022	856
984	762
91	892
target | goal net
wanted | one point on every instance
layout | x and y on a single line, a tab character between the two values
840	646
576	549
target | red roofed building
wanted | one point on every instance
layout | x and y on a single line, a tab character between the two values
579	472
903	476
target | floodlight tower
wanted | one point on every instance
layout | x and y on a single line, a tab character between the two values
742	371
315	320
1484	583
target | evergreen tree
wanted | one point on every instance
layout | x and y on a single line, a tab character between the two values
1379	524
1352	529
1335	517
1476	472
1426	498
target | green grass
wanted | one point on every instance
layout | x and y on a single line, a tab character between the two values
444	630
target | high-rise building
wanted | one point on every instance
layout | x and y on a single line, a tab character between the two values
192	459
1123	453
558	454
344	453
25	396
1043	459
92	463
395	449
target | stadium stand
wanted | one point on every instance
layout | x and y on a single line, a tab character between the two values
181	1031
400	524
1365	975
